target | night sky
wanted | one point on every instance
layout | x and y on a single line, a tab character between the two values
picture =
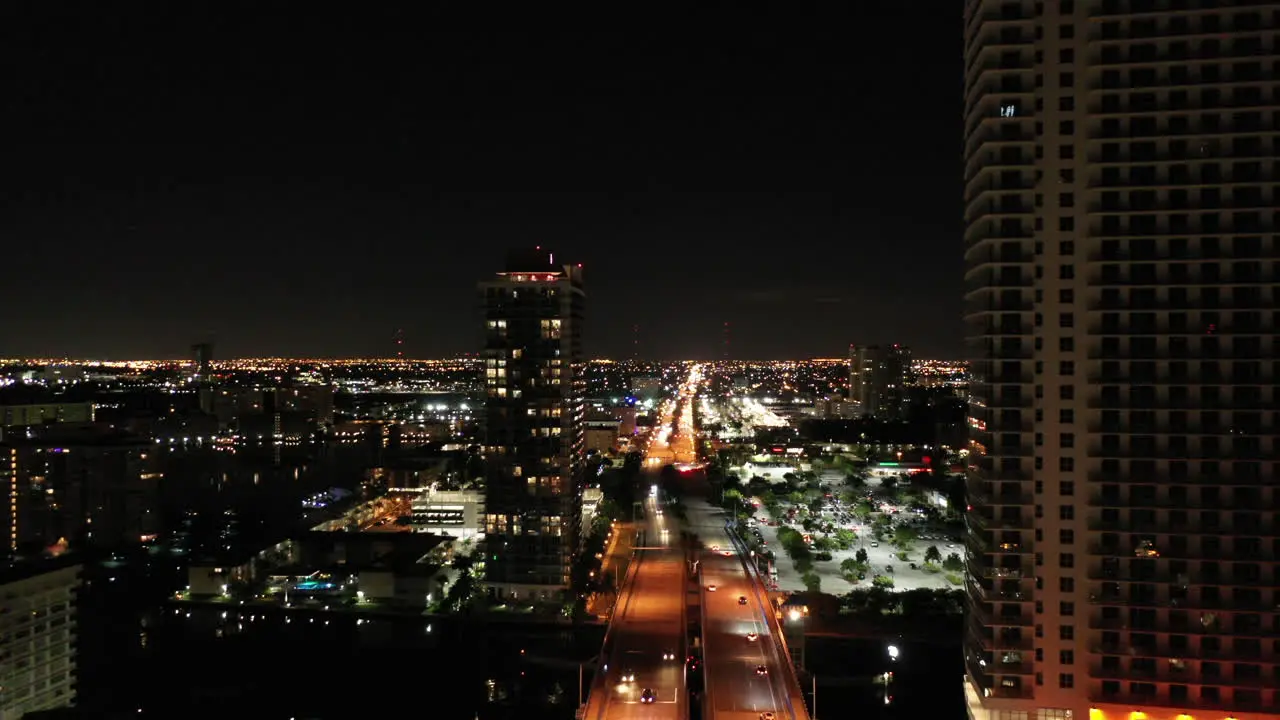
298	185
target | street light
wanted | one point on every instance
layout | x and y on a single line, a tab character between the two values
893	652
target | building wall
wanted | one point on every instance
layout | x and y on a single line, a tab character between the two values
16	415
37	642
1120	296
602	438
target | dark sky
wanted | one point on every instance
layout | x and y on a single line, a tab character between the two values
303	185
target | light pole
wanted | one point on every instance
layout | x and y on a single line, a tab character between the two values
815	697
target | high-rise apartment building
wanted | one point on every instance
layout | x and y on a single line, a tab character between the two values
88	485
37	635
878	379
534	443
1121	272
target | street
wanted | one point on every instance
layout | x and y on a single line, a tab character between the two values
746	671
733	685
648	624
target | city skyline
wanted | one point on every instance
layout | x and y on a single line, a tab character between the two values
614	359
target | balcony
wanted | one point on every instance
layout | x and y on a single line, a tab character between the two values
1005	573
1163	674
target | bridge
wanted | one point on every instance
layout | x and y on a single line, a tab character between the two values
747	666
644	646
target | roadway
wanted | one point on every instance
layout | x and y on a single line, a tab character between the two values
648	624
649	615
735	689
672	439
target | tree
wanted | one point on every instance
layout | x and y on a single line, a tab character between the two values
609	509
850	566
861	556
631	464
735	503
903	536
883	581
954	563
933	554
812	582
845	538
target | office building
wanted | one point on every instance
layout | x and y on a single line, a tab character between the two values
37	635
534	443
1121	274
877	380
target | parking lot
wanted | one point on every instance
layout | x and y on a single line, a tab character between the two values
883	534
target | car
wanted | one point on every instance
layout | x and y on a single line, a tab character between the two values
628	676
711	588
726	553
647	697
752	637
742	599
762	670
767	715
715	548
668	655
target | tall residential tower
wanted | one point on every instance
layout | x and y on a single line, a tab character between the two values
534	442
878	379
1121	251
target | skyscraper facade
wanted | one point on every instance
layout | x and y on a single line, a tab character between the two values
38	635
878	379
534	430
1121	273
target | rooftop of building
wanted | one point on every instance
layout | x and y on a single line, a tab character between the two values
14	569
54	435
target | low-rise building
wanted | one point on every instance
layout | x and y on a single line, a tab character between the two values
457	513
404	584
591	499
210	576
37	636
41	413
601	435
